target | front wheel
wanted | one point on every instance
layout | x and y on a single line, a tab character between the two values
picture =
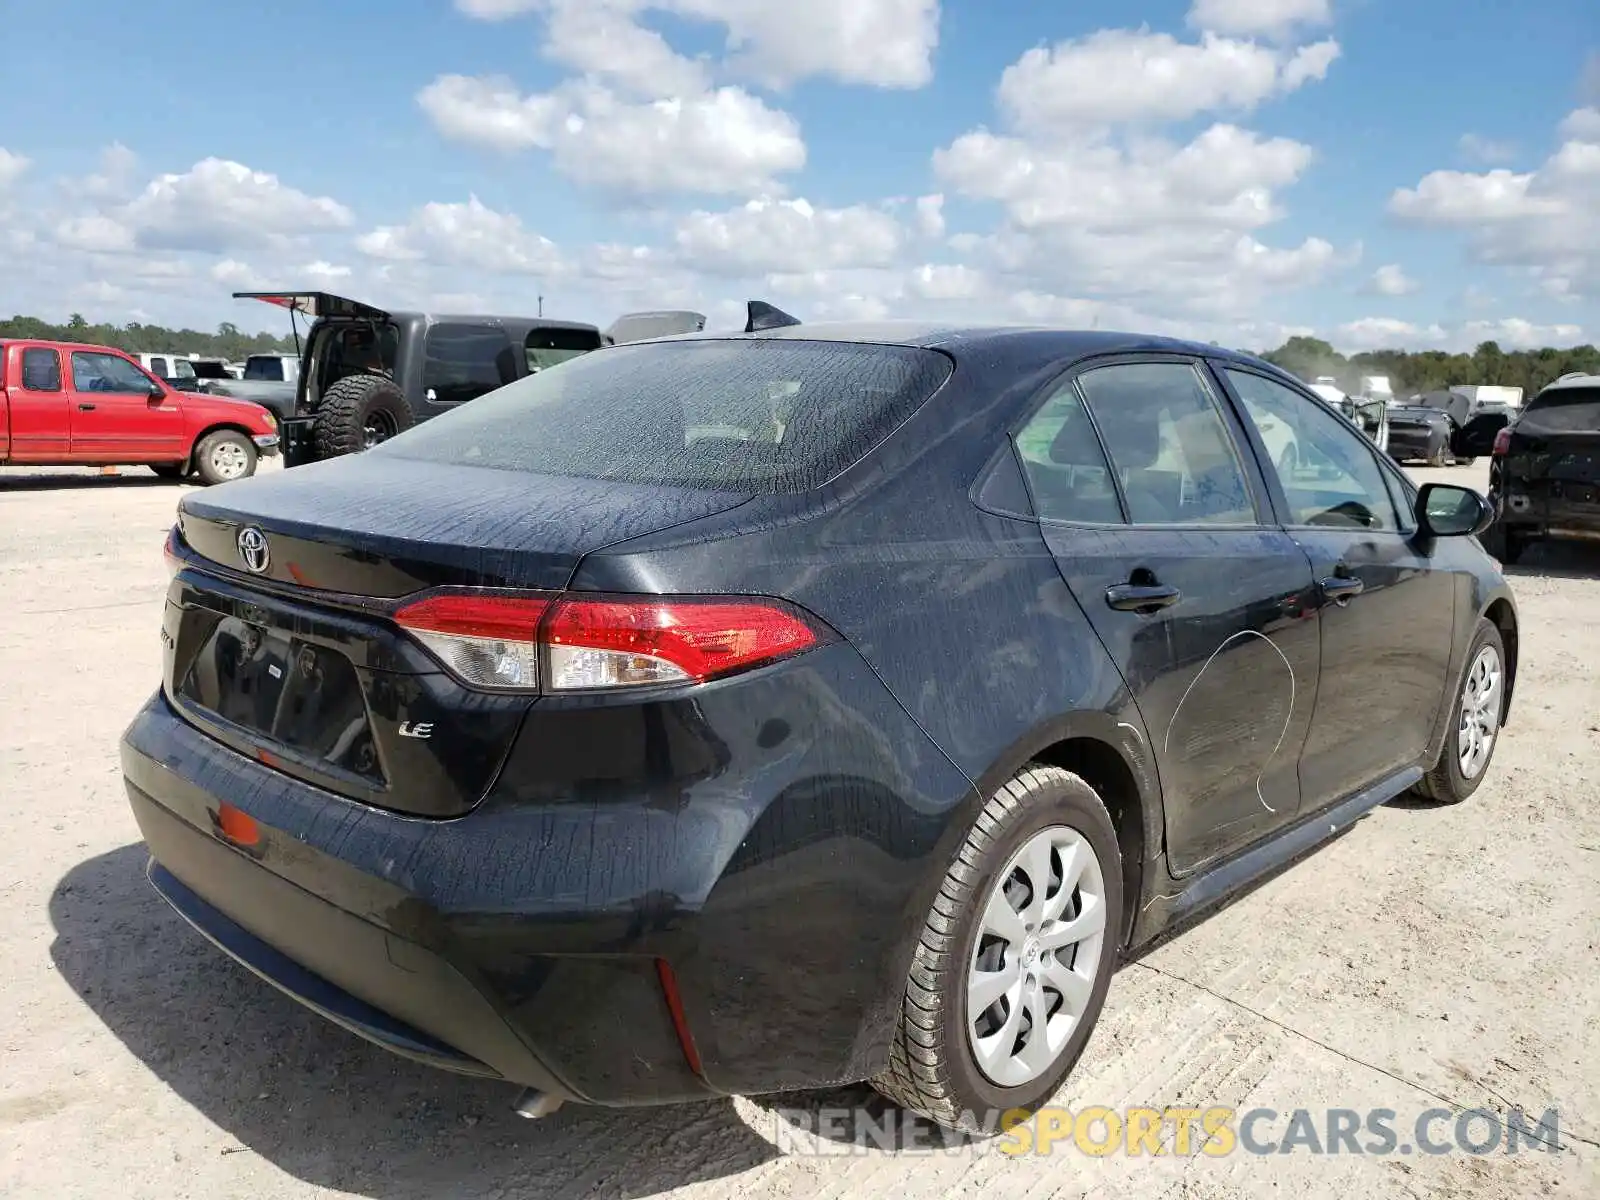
1474	721
224	456
1011	970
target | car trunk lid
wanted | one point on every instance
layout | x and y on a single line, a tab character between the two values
279	635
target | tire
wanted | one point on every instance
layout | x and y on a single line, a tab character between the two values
170	470
224	456
357	413
933	1068
1449	782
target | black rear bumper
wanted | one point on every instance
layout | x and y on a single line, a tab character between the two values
760	852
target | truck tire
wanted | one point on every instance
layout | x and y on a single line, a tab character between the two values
357	413
224	455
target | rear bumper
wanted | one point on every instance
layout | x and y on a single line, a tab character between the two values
772	840
1534	510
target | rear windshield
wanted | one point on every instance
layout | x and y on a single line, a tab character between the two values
732	415
268	369
1564	410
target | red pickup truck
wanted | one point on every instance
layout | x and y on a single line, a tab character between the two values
67	404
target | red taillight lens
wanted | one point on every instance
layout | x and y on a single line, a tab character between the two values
1502	442
486	641
496	641
625	643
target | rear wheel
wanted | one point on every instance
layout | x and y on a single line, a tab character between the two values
357	413
223	456
1474	721
1012	967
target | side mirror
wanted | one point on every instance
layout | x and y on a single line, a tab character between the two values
1446	510
157	392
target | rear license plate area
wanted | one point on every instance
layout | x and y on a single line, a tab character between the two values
284	691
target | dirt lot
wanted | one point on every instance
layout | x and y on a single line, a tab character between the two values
1428	958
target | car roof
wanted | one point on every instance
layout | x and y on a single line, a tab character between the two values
961	340
1574	380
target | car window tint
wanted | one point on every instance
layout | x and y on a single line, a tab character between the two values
548	347
1328	470
159	366
93	372
751	415
41	370
466	361
1065	465
1169	445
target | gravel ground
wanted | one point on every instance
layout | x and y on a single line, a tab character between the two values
1430	957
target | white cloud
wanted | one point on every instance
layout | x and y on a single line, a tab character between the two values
1390	333
95	233
12	167
1546	221
930	216
1486	150
218	204
1119	75
468	235
769	235
885	43
1391	280
601	38
1270	18
1582	125
715	142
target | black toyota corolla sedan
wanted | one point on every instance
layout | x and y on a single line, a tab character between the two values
734	714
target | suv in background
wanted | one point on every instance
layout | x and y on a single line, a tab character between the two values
1544	477
367	374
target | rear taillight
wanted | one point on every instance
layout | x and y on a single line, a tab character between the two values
581	643
1502	442
485	641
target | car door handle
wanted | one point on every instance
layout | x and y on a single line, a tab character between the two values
1340	588
85	408
1141	597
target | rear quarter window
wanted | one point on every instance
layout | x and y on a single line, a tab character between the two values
738	415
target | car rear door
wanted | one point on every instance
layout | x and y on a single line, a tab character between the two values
121	414
1158	523
38	403
1387	608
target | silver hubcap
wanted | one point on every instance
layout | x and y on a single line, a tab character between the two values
1036	956
229	460
1480	713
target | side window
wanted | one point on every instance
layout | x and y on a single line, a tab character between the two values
550	346
92	372
41	370
466	361
1326	467
1172	451
1064	464
158	366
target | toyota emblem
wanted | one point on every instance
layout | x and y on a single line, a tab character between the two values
253	549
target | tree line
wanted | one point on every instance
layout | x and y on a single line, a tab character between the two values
1306	357
1430	370
228	343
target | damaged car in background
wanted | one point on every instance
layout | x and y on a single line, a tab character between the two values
366	374
1544	476
1445	427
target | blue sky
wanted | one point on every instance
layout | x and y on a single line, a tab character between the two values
1375	171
